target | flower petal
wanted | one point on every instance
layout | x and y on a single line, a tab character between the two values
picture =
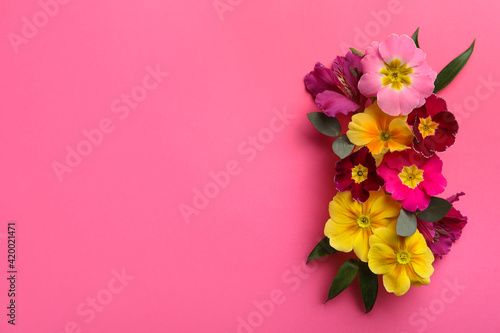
342	236
434	105
372	64
343	208
370	84
343	65
401	135
418	58
319	80
415	244
433	184
362	129
381	259
359	193
400	47
395	102
422	264
415	199
397	281
423	85
360	245
384	211
333	103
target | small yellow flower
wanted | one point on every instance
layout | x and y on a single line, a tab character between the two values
359	173
352	223
427	126
403	261
411	176
379	131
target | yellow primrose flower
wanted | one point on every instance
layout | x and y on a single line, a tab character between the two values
427	127
403	261
379	131
352	223
411	176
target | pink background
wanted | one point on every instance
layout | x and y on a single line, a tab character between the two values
228	75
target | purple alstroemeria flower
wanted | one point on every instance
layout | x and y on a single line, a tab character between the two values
440	235
336	90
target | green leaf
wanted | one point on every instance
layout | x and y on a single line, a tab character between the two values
327	125
354	71
368	283
407	223
322	249
451	70
353	50
342	146
415	37
437	209
346	274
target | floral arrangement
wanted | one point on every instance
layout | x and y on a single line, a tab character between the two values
387	210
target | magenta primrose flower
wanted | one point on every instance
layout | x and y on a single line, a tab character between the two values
395	71
358	173
336	91
434	127
440	235
412	178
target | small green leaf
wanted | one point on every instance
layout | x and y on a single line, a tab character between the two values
407	223
327	125
322	249
346	274
451	70
437	209
354	71
342	146
353	50
415	37
368	283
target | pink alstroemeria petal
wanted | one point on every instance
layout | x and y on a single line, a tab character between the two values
333	103
320	79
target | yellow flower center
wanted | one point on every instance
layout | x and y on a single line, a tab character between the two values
385	136
403	257
359	173
363	221
396	74
411	176
427	126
